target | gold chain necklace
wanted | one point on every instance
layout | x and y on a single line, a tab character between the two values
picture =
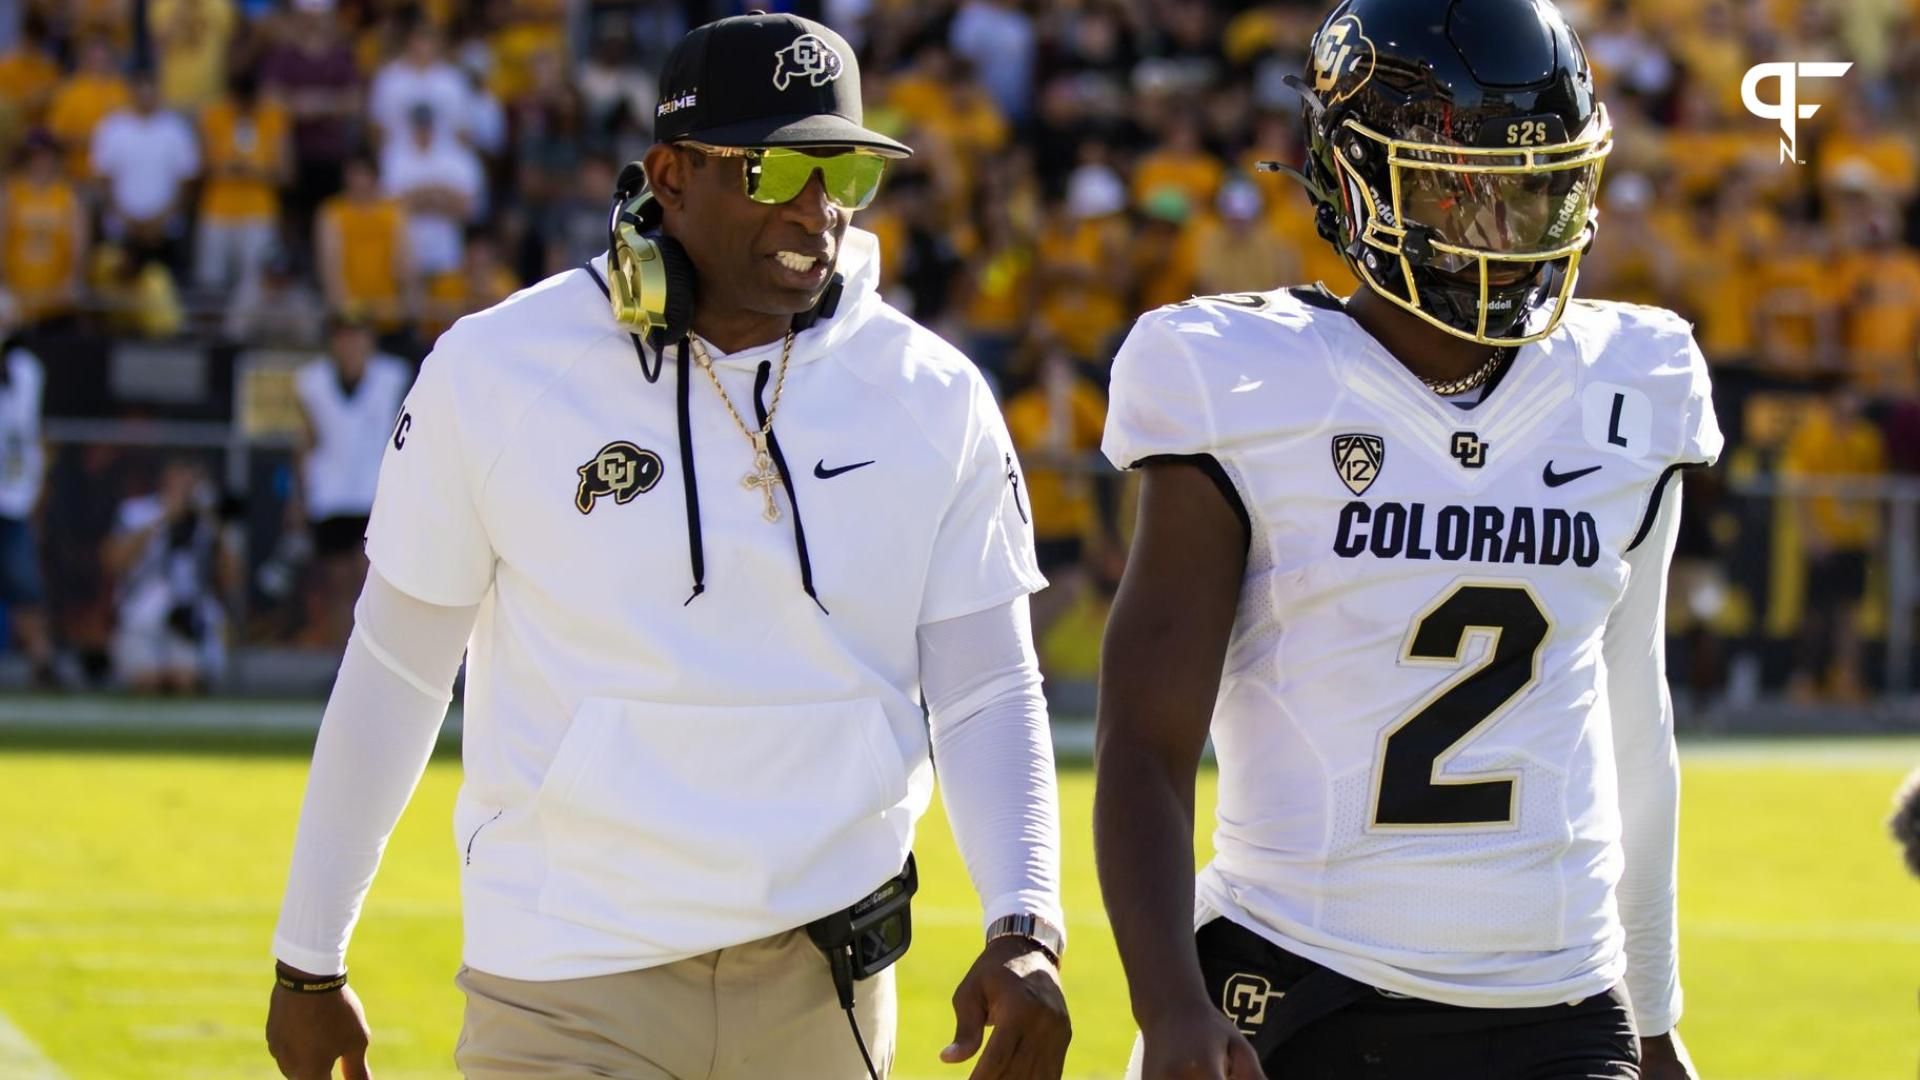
1450	387
764	476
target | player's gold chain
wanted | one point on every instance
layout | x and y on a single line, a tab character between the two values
1449	387
763	475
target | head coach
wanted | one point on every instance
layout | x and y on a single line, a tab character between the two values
710	523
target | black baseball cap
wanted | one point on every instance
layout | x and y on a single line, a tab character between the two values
765	80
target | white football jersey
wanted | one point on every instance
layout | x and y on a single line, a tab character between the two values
1417	783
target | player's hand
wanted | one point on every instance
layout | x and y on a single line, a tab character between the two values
1198	1044
1015	989
307	1033
1664	1057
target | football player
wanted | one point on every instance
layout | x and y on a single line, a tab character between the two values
1404	555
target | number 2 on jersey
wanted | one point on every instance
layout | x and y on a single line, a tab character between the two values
1408	789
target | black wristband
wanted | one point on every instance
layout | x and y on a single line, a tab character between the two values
304	985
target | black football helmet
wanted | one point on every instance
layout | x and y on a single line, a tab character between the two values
1454	150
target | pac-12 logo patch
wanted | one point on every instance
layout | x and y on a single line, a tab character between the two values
809	57
1244	999
1357	458
620	470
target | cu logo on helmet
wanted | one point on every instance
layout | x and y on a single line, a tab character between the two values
1342	59
809	57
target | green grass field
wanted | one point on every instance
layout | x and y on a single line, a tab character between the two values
138	891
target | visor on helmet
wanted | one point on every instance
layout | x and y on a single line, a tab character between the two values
1500	203
1487	217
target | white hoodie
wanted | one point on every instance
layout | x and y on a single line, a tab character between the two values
663	759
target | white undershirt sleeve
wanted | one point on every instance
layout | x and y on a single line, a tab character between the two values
1649	770
381	722
994	752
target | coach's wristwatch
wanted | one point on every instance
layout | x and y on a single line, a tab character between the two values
1035	929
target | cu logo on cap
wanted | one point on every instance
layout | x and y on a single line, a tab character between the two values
1788	111
809	57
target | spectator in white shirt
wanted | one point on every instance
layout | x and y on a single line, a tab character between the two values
440	181
144	156
348	401
420	77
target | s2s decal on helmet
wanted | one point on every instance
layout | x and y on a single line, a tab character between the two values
1342	60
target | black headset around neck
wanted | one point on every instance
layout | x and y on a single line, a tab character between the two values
651	281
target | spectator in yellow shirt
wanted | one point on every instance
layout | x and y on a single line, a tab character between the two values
1162	252
1082	268
1180	163
1796	319
1884	151
248	151
996	292
1734	233
28	76
190	38
1835	442
1880	312
1629	260
481	281
1056	425
43	236
1239	248
361	238
92	93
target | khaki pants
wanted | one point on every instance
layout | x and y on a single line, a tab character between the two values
757	1011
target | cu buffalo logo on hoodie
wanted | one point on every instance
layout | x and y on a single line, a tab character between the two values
620	470
809	57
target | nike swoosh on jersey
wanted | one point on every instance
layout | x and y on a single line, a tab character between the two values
820	468
1554	479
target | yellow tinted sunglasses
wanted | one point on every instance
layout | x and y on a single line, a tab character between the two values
775	174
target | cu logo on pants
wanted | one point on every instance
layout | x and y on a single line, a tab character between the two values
1244	1000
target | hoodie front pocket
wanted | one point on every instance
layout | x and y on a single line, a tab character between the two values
682	824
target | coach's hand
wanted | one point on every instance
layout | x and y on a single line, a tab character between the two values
1015	989
1198	1044
1664	1057
307	1033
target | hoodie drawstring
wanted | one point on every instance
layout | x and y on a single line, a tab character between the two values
696	551
695	548
786	481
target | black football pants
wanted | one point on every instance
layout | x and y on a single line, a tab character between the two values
1371	1036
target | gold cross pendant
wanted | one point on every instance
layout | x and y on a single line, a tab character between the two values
764	477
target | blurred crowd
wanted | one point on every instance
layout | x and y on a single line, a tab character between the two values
350	176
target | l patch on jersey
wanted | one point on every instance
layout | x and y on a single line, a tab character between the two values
620	470
1244	999
1357	460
